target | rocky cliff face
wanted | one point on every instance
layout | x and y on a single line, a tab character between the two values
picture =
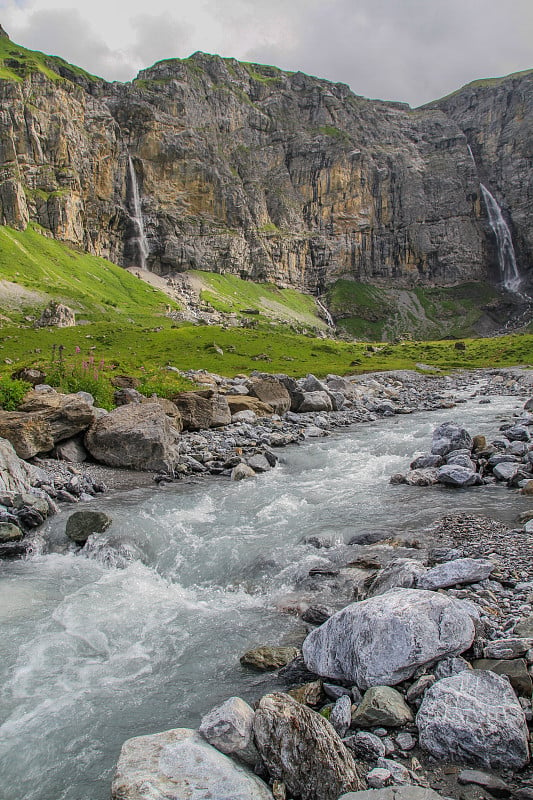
271	175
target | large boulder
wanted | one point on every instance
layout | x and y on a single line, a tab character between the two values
202	410
82	524
300	748
383	640
450	436
29	434
398	573
243	402
315	401
459	572
179	765
457	476
229	728
66	414
56	315
136	437
475	718
272	392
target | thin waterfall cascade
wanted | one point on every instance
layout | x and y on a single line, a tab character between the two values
327	316
140	240
510	276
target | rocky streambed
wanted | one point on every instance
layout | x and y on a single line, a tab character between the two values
122	637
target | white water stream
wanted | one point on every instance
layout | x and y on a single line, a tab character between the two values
92	654
140	240
509	274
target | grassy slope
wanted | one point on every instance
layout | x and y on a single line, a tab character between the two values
16	62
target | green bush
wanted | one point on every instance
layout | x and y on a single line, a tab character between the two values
88	375
12	392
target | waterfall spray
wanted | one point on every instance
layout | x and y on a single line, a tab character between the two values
140	240
506	256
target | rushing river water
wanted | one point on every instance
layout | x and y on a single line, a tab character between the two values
92	653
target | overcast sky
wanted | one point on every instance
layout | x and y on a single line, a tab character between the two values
410	50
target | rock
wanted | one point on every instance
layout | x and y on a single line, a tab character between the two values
301	748
394	793
505	471
312	384
377	778
459	572
474	718
527	488
250	417
479	442
405	741
518	433
9	532
382	706
269	390
258	463
126	395
30	375
316	615
29	434
341	714
315	401
179	765
383	640
457	476
427	460
421	477
399	774
492	783
56	315
136	437
239	403
400	572
82	524
366	745
524	628
229	728
71	450
419	687
516	670
450	666
202	410
66	414
15	474
309	694
268	658
507	648
450	436
242	471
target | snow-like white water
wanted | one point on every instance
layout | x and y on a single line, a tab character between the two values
140	240
509	273
92	653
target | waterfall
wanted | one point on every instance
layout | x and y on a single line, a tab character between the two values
506	256
140	240
327	315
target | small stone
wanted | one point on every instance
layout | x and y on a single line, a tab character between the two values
268	658
378	778
382	705
405	741
309	694
492	783
366	745
10	532
341	715
241	472
83	524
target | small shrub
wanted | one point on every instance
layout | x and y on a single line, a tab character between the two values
12	392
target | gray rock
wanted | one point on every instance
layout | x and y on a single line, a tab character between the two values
492	783
9	532
248	416
315	401
383	640
366	745
312	384
300	748
399	774
457	476
400	572
516	670
229	728
450	436
382	706
179	765
505	471
71	450
258	463
507	648
267	658
518	433
474	718
405	741
394	793
450	666
241	472
419	688
135	436
378	778
341	714
82	524
456	573
427	460
524	628
422	477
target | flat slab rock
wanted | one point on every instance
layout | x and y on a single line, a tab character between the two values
180	765
394	793
474	718
383	640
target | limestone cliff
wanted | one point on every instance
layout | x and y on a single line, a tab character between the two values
270	175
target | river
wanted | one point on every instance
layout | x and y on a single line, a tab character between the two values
94	650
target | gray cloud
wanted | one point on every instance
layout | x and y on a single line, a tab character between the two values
159	37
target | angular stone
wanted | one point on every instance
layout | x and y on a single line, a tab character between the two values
394	793
29	434
516	670
229	728
15	474
179	765
421	477
242	471
427	460
82	524
239	403
310	694
507	648
9	532
474	718
400	572
341	714
268	658
505	471
66	414
459	572
492	783
524	628
457	476
450	666
301	748
450	436
136	437
71	450
383	640
202	410
366	745
272	392
315	401
382	706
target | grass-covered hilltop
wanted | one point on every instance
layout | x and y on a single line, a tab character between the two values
227	216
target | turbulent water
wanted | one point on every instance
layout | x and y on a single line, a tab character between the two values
146	635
